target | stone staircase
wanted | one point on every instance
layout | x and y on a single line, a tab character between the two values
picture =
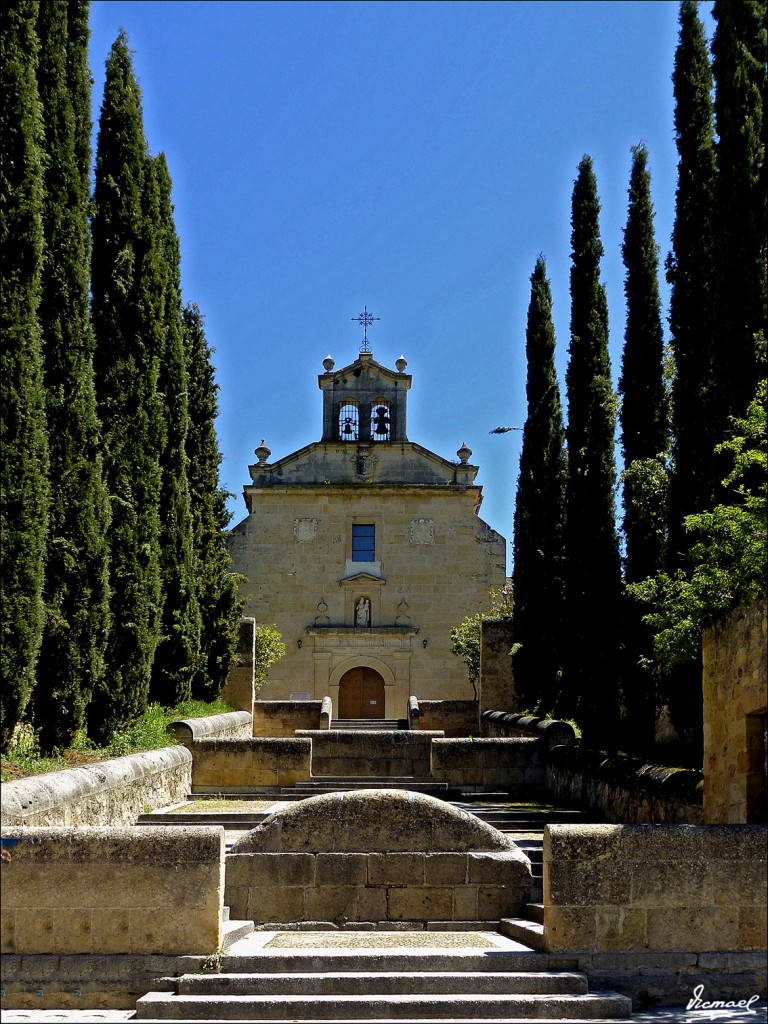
319	984
369	724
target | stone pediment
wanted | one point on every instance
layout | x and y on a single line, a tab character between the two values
362	577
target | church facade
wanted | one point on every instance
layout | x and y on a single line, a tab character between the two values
364	549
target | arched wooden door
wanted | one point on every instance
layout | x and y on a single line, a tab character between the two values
361	694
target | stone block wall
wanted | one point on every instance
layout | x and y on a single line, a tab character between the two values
112	792
141	890
239	690
497	682
657	888
515	764
452	717
503	723
414	888
735	681
622	789
239	765
284	717
341	752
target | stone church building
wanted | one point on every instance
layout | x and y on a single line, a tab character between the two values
364	549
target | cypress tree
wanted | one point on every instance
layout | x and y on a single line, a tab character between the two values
71	659
643	422
740	53
593	582
126	364
24	490
216	585
177	653
691	274
538	615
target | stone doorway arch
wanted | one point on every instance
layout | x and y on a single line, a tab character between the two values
361	693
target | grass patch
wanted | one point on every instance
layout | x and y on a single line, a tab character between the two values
214	806
147	733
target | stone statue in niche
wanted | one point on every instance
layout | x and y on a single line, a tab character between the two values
363	612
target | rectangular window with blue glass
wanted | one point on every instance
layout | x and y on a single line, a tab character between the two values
363	542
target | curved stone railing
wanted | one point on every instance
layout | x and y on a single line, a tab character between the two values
326	713
554	732
235	725
111	792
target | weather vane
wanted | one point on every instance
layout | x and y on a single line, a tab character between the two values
365	320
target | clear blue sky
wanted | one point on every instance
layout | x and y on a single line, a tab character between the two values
412	157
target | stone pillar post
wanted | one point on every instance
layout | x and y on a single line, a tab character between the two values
238	691
496	690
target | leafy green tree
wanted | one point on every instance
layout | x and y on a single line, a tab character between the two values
643	420
466	638
178	651
24	487
539	585
730	553
217	596
126	362
740	59
593	579
269	648
76	592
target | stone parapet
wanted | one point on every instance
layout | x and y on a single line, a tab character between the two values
278	718
654	888
389	752
112	890
234	725
453	717
624	790
242	764
514	763
502	723
111	792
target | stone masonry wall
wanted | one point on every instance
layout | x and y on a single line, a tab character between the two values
234	765
239	689
112	792
657	888
734	679
453	717
497	681
341	752
284	717
515	764
140	890
232	726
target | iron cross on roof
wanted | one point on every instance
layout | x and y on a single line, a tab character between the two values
365	320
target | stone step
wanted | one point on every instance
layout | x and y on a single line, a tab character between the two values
383	983
229	819
233	931
530	933
454	1006
367	724
333	785
535	912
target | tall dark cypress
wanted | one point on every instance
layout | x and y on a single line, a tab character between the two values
691	274
24	488
644	438
216	586
740	54
539	611
593	580
127	365
177	653
71	660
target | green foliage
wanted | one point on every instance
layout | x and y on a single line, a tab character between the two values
466	637
730	553
593	581
76	591
177	655
539	584
217	597
124	276
269	649
24	488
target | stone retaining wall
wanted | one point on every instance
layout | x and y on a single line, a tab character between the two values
554	732
452	717
235	725
735	682
112	792
657	888
342	752
624	790
232	765
110	890
284	717
515	764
